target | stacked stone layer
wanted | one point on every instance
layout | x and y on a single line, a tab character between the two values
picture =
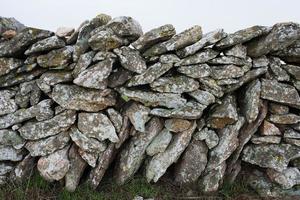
212	105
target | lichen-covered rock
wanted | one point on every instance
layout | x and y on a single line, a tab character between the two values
211	181
90	158
284	119
200	57
287	178
78	98
262	61
203	97
119	77
268	128
195	71
53	126
209	136
7	102
239	51
293	70
271	139
45	45
8	153
291	133
83	62
56	58
279	109
177	125
116	118
229	60
9	64
226	72
10	137
10	23
23	170
138	116
160	143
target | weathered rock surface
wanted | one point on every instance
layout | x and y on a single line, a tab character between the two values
56	58
138	116
160	143
45	45
7	103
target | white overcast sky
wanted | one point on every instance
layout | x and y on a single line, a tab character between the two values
231	15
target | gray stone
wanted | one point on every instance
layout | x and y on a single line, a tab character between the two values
262	61
10	137
160	143
287	178
211	181
200	57
209	136
9	64
293	70
7	103
284	119
10	24
31	90
8	153
203	97
90	158
56	58
226	72
103	55
64	32
23	170
290	133
229	60
210	85
269	139
116	118
268	128
83	63
195	71
119	77
292	141
169	58
177	125
239	51
279	109
277	70
138	116
45	45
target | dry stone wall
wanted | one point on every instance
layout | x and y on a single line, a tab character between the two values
204	107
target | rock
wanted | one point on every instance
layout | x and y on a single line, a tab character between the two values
5	168
290	54
63	32
18	44
191	110
31	89
78	98
77	167
177	125
178	41
271	139
277	70
290	133
229	60
119	77
203	97
138	115
209	136
210	182
48	145
210	85
154	99
7	103
41	111
23	169
279	109
175	84
132	156
251	100
86	143
268	128
10	24
45	45
9	64
116	118
160	143
192	163
153	72
287	178
97	125
90	158
12	138
103	55
281	36
54	166
50	127
56	58
8	153
153	37
169	58
226	72
131	59
262	61
83	63
96	75
200	57
223	114
292	141
208	39
242	36
195	71
284	119
274	156
239	51
293	70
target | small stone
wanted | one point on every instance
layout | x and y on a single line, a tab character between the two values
293	70
103	55
210	182
226	72
64	31
269	139
262	61
45	45
203	97
119	77
54	166
276	68
7	103
138	115
10	137
31	89
292	141
159	143
287	178
90	158
97	125
290	133
211	86
195	71
229	60
239	51
284	119
56	58
9	64
177	125
116	118
209	136
168	58
8	153
268	128
200	57
9	34
279	109
291	54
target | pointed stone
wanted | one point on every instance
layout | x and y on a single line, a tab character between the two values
138	115
116	118
56	58
160	143
195	71
279	109
45	45
277	70
83	63
90	158
210	182
198	58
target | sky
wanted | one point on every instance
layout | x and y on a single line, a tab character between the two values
231	15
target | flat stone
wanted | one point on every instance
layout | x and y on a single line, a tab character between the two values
10	137
226	72
177	125
7	102
160	143
152	73
9	64
284	119
281	36
44	45
239	51
10	24
290	54
64	31
83	62
195	71
175	84
159	163
169	58
287	178
116	118
291	133
103	55
8	153
209	136
277	70
279	109
132	156
31	89
269	139
229	60
262	61
199	57
5	168
131	59
54	166
97	125
268	128
293	70
78	98
192	163
48	145
292	141
50	127
154	99
208	39
119	77
138	116
274	156
153	37
203	97
210	85
56	58
242	36
227	81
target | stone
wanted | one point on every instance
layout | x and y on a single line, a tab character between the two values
290	54
23	170
279	109
284	119
5	168
41	111
226	72
195	71
209	136
268	128
18	44
119	77
12	138
131	59
97	125
242	36
63	32
277	70
287	178
239	51
198	58
159	163
160	143
152	73
116	118
269	139
10	24
203	97
292	141
90	158
274	156
50	127
132	156
191	110
262	61
177	125
48	145
103	55
169	58
31	89
56	58
175	84
8	153
281	36
138	116
96	75
154	99
229	60
192	163
293	70
153	37
208	39
210	85
178	41
291	133
210	182
78	98
44	45
223	114
54	166
7	102
9	64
